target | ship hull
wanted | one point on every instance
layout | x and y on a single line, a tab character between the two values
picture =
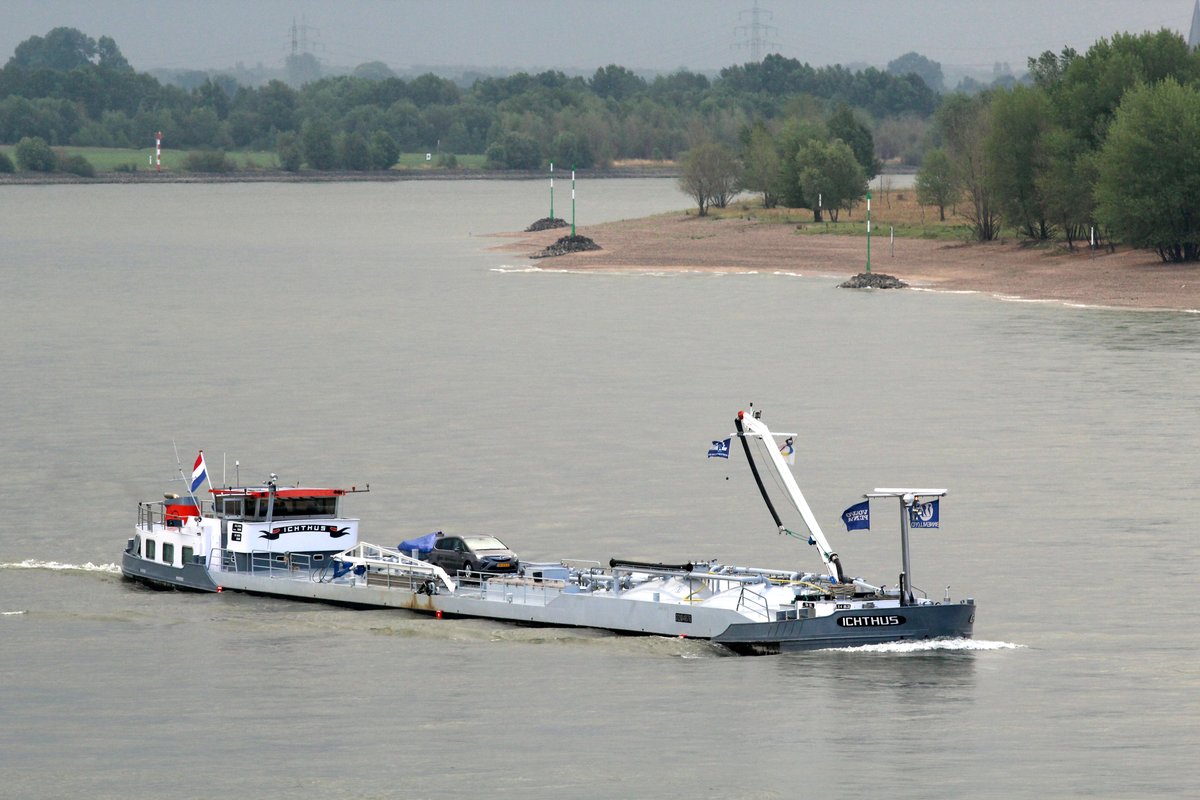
189	577
852	629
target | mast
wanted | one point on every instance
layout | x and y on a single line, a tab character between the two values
908	498
752	425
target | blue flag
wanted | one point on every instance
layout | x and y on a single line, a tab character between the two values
858	516
719	449
923	515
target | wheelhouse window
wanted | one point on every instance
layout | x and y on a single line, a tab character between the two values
254	509
304	507
231	507
150	550
168	553
189	555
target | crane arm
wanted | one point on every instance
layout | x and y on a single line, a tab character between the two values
751	425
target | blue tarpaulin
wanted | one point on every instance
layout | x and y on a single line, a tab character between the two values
422	544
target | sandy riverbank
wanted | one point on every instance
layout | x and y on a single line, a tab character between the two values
1125	279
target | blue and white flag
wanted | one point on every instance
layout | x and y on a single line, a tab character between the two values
858	516
719	449
923	515
788	451
199	473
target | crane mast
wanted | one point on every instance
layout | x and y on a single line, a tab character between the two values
751	425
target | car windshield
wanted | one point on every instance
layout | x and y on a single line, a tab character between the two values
484	543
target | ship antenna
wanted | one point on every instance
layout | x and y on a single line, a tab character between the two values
186	482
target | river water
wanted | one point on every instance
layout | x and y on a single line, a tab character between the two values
346	334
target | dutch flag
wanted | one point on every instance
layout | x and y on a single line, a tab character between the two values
199	473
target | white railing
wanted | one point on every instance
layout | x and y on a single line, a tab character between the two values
384	561
754	602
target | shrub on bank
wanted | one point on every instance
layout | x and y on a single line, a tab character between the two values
34	155
76	165
208	161
6	164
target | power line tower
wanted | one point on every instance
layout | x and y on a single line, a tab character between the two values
756	32
302	65
300	41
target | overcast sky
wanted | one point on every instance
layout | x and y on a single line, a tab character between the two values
585	34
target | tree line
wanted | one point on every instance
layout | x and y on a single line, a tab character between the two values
1096	143
818	161
68	89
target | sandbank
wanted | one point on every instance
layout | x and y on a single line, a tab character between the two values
1133	279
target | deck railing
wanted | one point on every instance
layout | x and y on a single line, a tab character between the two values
753	602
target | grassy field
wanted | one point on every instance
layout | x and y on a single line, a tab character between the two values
417	161
107	159
896	210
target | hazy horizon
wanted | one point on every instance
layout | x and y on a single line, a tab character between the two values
661	35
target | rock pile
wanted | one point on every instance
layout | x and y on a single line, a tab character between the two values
567	244
873	280
546	223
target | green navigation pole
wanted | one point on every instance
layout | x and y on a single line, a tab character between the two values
551	190
572	200
868	231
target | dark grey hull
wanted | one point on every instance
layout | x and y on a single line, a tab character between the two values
851	629
190	577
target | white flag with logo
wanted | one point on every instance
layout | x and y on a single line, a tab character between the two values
788	451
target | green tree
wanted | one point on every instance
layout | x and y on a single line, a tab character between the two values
109	56
62	49
709	174
916	64
77	165
429	89
795	134
762	170
616	82
842	124
275	105
316	140
289	151
1016	155
965	124
201	127
6	164
1067	184
208	161
374	71
936	185
353	151
211	95
1148	186
1093	85
383	150
514	150
570	149
1047	70
34	155
830	171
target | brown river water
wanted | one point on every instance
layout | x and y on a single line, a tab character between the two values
363	333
